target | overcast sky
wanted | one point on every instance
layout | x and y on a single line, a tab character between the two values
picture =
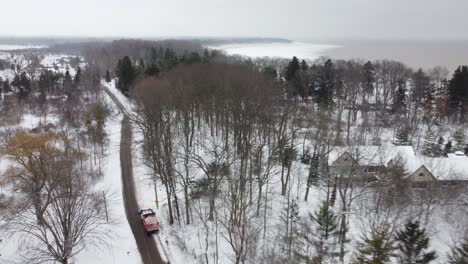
293	19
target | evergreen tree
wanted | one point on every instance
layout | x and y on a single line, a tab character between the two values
459	138
326	85
43	85
108	77
399	100
429	148
67	83
421	86
402	137
459	254
304	66
270	71
458	91
6	86
16	82
395	174
412	243
313	177
376	247
126	74
194	57
448	148
324	235
78	76
368	78
439	147
25	83
170	58
292	68
152	70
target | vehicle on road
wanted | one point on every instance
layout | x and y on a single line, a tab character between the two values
150	223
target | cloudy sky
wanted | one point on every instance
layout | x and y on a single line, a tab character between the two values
294	19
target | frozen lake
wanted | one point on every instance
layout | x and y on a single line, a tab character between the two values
19	47
301	50
417	54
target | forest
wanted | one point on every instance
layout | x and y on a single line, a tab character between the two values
240	153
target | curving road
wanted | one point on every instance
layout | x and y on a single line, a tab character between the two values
146	244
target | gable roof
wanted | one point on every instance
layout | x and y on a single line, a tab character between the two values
421	171
344	159
453	167
375	155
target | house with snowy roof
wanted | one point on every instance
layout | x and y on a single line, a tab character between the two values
369	163
362	163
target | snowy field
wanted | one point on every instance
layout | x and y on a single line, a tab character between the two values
20	47
282	50
121	248
188	243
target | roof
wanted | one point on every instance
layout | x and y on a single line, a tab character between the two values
376	155
453	167
424	172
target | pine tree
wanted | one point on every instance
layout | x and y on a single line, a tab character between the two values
293	232
399	101
291	69
16	82
126	74
304	66
313	177
459	254
78	76
429	148
6	86
68	83
458	94
459	138
376	247
152	70
170	58
402	137
25	83
412	243
326	231
270	71
440	146
368	78
448	148
108	77
421	86
326	85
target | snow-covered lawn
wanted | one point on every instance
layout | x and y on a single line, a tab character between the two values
121	248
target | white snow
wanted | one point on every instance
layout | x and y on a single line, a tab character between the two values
301	50
121	248
125	101
20	47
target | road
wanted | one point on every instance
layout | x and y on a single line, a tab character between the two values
146	244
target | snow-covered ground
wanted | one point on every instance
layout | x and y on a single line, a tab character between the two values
122	248
301	50
188	243
20	47
145	189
